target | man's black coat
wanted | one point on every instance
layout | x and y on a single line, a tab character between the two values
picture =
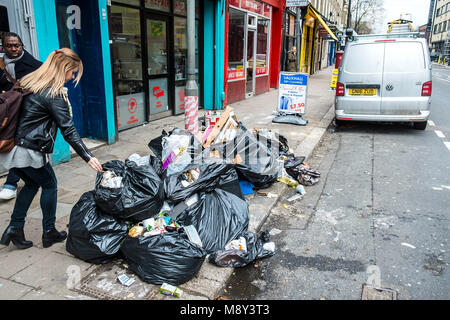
24	66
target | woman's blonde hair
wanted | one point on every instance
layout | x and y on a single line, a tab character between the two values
52	73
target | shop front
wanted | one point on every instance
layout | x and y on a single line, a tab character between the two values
149	54
313	45
250	49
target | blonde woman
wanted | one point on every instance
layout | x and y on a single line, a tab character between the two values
42	113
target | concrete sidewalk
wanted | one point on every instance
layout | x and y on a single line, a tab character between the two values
50	274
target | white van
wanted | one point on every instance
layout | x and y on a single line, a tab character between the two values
385	78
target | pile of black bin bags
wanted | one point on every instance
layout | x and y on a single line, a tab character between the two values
101	219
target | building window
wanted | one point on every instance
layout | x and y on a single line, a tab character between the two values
160	5
127	66
129	2
262	45
444	28
236	44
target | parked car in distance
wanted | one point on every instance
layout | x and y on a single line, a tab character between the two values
385	78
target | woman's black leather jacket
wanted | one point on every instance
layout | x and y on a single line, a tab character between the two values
39	119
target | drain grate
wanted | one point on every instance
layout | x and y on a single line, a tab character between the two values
102	284
374	293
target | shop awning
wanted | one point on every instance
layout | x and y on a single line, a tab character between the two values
316	15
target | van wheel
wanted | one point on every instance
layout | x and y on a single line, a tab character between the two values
420	125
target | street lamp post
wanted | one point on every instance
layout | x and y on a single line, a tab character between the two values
191	91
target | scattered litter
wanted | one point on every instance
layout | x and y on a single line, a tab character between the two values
407	245
294	197
170	290
275	231
192	234
111	180
125	280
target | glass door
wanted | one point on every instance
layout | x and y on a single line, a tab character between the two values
127	67
250	82
158	66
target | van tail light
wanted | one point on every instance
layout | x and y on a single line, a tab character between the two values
340	89
426	89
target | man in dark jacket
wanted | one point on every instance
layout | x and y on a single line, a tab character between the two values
292	60
15	64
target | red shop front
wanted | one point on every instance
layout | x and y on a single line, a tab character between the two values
253	33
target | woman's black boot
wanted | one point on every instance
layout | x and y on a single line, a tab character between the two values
52	236
16	235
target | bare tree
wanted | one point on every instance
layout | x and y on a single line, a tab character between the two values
365	14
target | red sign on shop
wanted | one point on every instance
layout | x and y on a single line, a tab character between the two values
252	5
261	70
236	74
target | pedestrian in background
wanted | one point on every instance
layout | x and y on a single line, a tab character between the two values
15	63
42	113
292	60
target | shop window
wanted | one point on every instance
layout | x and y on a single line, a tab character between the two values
236	44
180	7
160	5
130	2
157	47
180	50
127	66
262	45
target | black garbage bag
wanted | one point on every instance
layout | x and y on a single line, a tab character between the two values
169	257
218	216
94	236
258	247
210	176
156	144
255	158
179	149
140	196
275	139
299	170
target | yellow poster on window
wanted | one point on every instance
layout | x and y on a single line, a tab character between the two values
157	29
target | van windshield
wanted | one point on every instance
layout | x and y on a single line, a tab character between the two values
365	58
404	57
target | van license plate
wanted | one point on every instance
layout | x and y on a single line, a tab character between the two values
363	92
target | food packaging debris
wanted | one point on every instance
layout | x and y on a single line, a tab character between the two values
240	244
125	280
172	156
140	161
136	231
191	200
149	224
269	246
111	180
192	235
300	189
294	197
211	118
170	290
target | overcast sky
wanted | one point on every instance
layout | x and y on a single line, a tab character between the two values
394	8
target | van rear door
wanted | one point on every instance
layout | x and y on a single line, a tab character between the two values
405	71
362	70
